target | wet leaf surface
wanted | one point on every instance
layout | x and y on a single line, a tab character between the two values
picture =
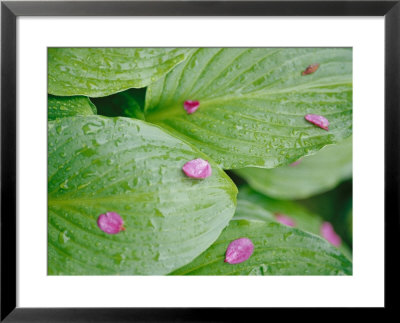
98	165
252	103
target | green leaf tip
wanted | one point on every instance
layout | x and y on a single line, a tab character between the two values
98	72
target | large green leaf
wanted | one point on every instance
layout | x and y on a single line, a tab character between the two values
278	250
99	72
61	106
304	219
253	102
314	174
97	165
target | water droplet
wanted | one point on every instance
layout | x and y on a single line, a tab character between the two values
88	174
88	152
150	224
135	255
118	142
159	213
59	129
119	258
82	186
287	235
156	256
260	270
63	237
86	129
64	185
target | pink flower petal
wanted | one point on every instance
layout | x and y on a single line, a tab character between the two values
191	106
239	250
110	223
310	69
329	234
295	163
284	219
197	168
318	120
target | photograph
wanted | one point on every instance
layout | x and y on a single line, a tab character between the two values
199	161
159	157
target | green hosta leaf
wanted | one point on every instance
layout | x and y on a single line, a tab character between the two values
99	72
246	210
314	174
61	106
124	104
278	250
303	218
97	165
253	102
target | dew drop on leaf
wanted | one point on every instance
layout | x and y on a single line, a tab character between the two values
64	185
159	213
119	258
260	270
63	237
82	186
59	129
287	235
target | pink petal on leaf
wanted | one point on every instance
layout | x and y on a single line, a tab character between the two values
191	106
295	163
284	219
318	120
197	168
239	250
310	69
328	232
110	223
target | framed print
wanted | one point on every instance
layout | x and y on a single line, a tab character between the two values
159	156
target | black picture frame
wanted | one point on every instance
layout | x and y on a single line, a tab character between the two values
10	10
